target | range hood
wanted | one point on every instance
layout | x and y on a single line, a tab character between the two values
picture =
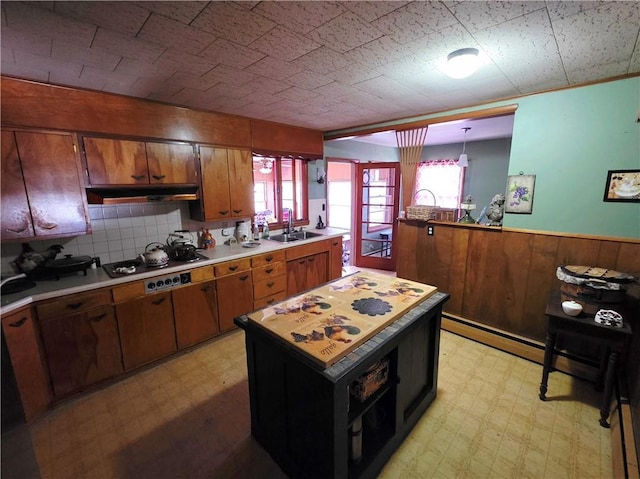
145	194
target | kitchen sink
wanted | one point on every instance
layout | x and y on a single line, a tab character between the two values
298	235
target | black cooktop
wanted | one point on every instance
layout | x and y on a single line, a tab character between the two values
137	266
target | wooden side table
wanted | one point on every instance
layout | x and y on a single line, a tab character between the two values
613	339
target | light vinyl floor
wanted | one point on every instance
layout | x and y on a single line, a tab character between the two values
189	418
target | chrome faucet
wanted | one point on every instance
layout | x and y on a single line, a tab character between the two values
17	276
289	224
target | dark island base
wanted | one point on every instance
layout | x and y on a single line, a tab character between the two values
305	416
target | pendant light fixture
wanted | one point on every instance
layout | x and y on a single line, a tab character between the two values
267	166
463	160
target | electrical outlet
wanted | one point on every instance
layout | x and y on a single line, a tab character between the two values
323	206
227	231
429	230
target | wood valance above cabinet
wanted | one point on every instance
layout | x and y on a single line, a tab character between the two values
274	138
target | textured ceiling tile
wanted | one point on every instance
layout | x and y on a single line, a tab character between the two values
37	62
32	43
119	44
385	88
64	51
24	71
261	98
300	17
592	73
378	52
308	80
112	80
634	64
183	12
283	44
415	20
336	90
36	21
480	15
185	80
229	75
321	60
345	32
273	68
232	22
182	61
124	17
604	36
231	54
296	94
410	66
437	45
353	73
370	11
564	8
171	33
267	86
137	69
229	91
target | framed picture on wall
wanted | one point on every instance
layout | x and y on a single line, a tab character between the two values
622	185
519	196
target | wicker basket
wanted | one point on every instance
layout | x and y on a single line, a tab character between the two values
422	212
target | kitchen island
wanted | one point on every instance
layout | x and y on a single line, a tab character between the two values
342	417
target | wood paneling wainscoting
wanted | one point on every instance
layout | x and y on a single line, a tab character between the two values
500	279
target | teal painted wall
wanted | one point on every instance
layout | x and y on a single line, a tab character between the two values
356	150
569	139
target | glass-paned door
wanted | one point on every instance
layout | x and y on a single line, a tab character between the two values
377	210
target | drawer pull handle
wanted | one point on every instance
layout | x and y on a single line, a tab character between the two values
233	268
18	323
301	261
244	278
269	301
97	319
158	301
237	211
205	289
74	305
310	259
225	212
269	271
21	230
271	284
335	243
158	177
269	258
137	177
47	226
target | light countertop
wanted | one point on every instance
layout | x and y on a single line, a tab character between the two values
98	278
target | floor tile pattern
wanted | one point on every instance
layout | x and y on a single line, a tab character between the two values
189	418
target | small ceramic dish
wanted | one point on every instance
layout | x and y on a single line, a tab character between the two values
250	244
571	308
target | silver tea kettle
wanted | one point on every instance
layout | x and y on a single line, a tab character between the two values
155	256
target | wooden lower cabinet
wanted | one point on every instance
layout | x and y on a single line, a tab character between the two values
335	258
306	273
196	313
81	349
27	362
147	329
235	297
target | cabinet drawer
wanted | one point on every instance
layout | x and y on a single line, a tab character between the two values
128	291
267	258
308	249
231	267
199	275
269	271
73	303
268	300
269	286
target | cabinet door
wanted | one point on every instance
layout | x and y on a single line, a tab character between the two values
146	328
241	181
215	183
196	313
116	162
171	163
52	178
28	367
335	259
316	270
16	216
296	276
235	298
81	349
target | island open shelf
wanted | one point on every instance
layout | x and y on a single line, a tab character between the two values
306	415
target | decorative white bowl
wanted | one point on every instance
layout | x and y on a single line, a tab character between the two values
571	308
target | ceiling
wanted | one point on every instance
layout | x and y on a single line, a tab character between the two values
322	65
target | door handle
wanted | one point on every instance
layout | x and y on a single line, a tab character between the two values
244	278
237	211
270	285
97	319
75	305
225	212
18	323
158	301
268	271
137	177
158	177
233	268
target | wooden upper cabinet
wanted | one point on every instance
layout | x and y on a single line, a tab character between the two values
51	179
127	162
16	216
171	163
227	184
241	182
116	162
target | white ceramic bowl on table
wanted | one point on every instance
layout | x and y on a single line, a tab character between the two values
571	308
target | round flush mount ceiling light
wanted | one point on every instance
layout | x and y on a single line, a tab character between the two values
463	63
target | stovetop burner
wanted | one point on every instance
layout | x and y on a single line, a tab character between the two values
136	266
